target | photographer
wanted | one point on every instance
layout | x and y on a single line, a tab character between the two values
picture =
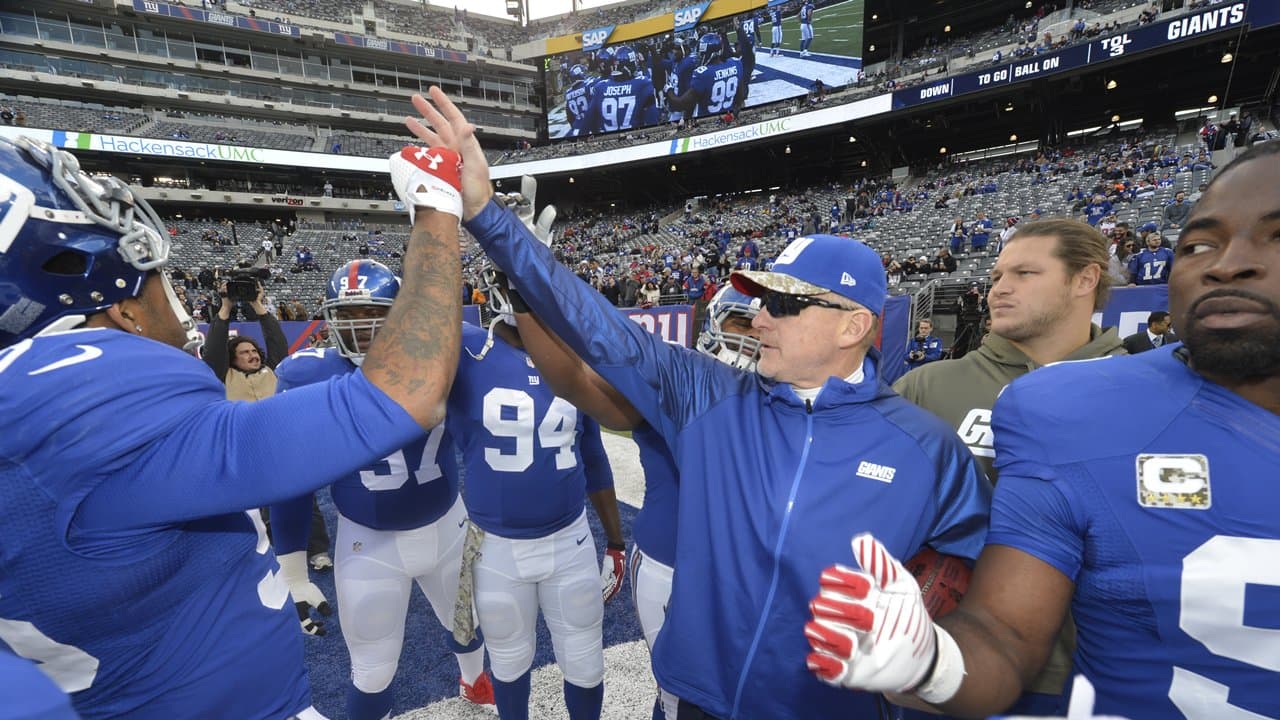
925	348
971	308
249	373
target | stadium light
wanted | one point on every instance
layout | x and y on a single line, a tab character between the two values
864	163
874	16
853	139
1227	57
946	29
942	150
1009	107
1213	99
1115	118
673	168
570	179
1013	138
788	150
872	48
1111	84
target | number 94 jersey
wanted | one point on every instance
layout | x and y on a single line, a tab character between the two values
1164	517
530	457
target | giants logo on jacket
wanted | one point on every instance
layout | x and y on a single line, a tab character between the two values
975	432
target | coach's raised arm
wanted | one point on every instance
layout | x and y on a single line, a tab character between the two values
822	450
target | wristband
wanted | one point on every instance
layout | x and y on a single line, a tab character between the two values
943	680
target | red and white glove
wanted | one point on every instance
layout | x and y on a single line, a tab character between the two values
428	177
306	596
870	630
612	570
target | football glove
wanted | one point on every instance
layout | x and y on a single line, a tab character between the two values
428	177
306	596
522	204
612	570
871	631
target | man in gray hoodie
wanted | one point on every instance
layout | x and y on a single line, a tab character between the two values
1050	279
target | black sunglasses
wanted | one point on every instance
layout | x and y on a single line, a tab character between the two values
785	305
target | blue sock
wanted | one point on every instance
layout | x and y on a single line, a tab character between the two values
583	703
368	706
512	698
658	713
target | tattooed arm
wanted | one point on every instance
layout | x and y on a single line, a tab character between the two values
415	353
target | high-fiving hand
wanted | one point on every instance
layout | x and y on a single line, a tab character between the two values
445	126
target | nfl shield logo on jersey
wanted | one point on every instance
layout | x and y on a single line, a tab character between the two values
1174	481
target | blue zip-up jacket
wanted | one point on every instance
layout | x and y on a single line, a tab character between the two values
760	517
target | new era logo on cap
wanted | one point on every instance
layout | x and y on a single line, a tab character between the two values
816	264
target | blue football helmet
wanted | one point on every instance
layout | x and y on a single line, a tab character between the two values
626	61
577	72
735	349
357	285
604	60
71	245
709	47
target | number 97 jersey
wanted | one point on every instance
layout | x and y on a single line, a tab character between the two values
1165	519
529	457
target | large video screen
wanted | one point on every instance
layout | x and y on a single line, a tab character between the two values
703	68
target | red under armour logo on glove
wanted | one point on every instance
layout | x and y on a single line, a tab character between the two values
428	177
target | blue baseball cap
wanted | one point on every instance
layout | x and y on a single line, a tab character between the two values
817	264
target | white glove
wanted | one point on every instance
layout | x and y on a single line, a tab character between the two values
522	204
871	631
428	177
306	596
612	570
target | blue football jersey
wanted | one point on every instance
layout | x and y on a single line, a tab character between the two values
28	694
716	86
1094	212
623	104
806	13
410	488
683	74
577	102
530	457
158	621
747	33
654	527
775	15
1151	267
1164	517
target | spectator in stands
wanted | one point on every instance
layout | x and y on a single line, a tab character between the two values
980	232
908	266
958	233
1097	209
1176	212
20	118
6	115
267	248
1118	265
609	289
328	189
945	262
650	294
1151	266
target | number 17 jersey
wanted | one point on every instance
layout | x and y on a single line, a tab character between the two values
1164	516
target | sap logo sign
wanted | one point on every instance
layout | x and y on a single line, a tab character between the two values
687	17
594	38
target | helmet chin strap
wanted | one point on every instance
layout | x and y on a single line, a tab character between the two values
194	337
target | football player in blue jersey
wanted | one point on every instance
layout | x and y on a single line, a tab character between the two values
775	38
624	101
531	461
748	33
1154	525
400	518
685	61
28	694
129	568
823	447
713	86
728	337
806	27
577	99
